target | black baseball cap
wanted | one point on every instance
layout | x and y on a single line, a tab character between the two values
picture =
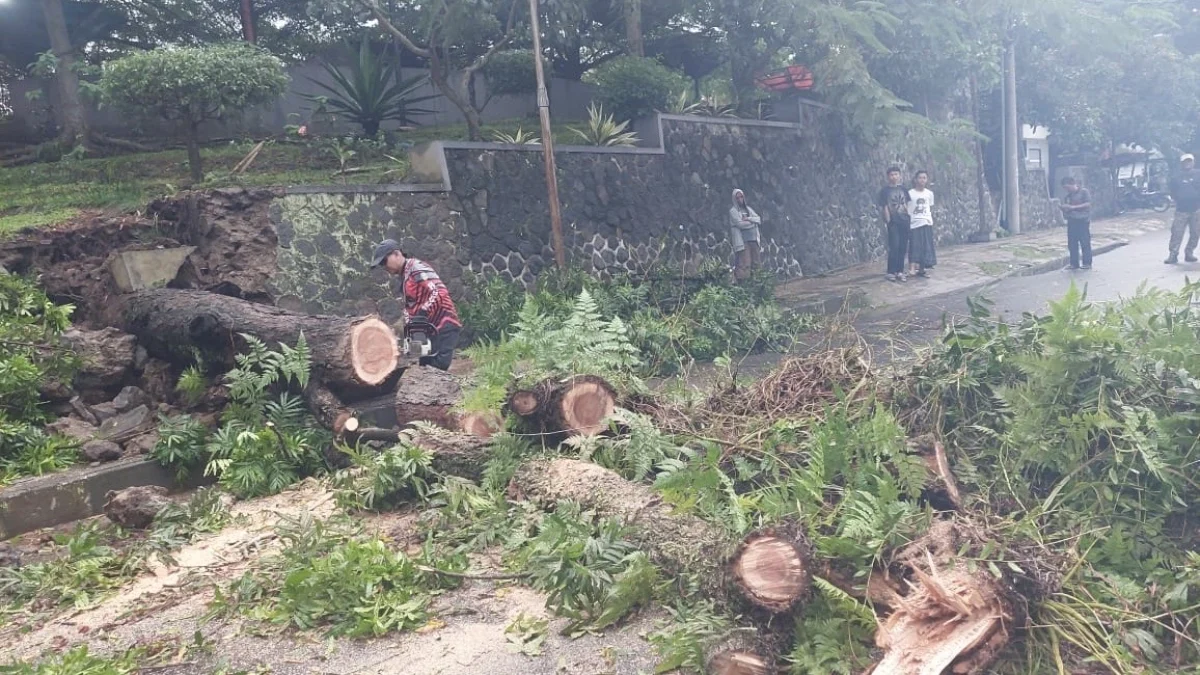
383	250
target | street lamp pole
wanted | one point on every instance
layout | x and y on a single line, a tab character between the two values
543	105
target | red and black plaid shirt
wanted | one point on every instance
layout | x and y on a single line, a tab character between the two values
424	293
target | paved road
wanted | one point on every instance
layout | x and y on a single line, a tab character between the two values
1115	275
894	332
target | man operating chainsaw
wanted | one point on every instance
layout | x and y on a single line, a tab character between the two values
430	317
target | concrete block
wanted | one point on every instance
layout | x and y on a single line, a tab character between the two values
154	268
46	501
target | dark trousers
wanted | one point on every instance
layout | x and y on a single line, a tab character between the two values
897	234
1079	242
444	343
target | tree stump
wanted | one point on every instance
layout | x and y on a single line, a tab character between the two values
773	568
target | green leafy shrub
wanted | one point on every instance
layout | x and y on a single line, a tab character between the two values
78	661
592	574
542	347
30	324
379	480
88	569
671	319
26	450
372	92
267	440
188	85
511	73
632	87
331	576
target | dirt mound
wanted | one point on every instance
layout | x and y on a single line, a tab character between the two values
230	228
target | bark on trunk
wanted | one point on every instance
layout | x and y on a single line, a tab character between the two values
426	394
352	356
769	570
678	544
633	28
195	163
72	117
453	454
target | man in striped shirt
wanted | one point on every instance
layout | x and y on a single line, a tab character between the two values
426	301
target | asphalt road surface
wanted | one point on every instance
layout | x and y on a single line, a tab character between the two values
1117	274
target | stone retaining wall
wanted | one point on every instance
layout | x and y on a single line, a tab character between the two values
481	208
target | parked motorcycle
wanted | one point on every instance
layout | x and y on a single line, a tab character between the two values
1131	199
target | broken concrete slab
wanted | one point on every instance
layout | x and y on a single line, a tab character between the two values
125	426
45	501
153	268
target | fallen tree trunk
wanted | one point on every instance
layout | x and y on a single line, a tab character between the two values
578	406
348	354
738	655
769	570
452	453
426	394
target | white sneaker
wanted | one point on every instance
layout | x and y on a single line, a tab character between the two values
889	277
901	277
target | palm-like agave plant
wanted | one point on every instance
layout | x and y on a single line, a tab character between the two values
705	107
520	137
604	131
372	92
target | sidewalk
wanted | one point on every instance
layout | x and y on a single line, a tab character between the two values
962	267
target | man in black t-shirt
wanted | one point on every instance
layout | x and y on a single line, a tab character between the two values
893	207
1077	208
1185	190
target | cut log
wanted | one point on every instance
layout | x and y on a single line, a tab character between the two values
348	354
678	544
452	453
580	406
524	402
773	568
483	425
426	394
328	409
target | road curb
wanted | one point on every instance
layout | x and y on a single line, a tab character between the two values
55	499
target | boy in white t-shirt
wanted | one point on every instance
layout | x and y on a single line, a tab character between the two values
921	253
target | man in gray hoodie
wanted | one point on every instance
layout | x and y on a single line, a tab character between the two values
743	234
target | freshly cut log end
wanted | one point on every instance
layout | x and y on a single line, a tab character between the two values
583	406
350	425
772	570
524	402
737	662
483	425
374	353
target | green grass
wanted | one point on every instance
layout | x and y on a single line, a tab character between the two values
51	193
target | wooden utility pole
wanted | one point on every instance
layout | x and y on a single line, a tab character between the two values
543	104
1012	146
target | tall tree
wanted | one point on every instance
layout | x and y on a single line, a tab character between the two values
72	117
455	35
633	27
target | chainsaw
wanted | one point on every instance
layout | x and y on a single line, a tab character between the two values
416	343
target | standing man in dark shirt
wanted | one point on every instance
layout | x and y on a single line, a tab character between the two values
1185	190
1077	207
893	207
426	301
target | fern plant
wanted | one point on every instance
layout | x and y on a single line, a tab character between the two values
542	347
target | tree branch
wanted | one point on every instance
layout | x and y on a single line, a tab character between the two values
400	35
508	33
